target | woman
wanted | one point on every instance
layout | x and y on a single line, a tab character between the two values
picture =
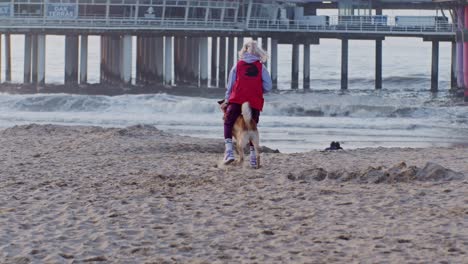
248	81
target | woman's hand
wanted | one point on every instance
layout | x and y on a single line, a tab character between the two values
223	106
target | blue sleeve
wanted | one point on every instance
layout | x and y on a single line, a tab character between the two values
230	84
266	79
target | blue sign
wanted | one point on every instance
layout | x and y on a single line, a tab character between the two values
5	9
62	11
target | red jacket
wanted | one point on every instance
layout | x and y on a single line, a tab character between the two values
248	86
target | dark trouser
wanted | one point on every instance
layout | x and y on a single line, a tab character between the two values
233	111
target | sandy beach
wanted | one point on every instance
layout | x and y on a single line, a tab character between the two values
141	195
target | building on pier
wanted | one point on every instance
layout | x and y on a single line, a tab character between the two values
176	37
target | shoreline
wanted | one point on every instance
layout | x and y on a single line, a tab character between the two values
139	194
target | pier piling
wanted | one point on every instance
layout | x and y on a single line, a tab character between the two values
203	61
214	61
295	66
274	63
27	58
435	66
83	59
34	56
7	58
306	77
378	64
168	60
230	56
453	68
158	50
126	59
222	62
71	59
41	59
344	64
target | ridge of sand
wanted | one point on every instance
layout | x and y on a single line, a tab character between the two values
73	194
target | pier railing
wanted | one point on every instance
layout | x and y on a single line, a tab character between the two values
350	24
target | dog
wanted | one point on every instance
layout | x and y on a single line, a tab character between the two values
244	131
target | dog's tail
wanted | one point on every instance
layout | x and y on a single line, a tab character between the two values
247	114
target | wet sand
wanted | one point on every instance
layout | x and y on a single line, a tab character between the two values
140	195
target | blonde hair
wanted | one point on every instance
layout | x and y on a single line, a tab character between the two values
252	47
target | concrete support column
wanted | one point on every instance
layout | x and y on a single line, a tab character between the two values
295	67
203	61
274	63
159	57
71	59
34	55
113	59
222	62
127	59
378	57
117	63
7	58
265	43
306	66
435	66
168	60
240	44
145	59
265	46
0	56
150	60
103	67
378	64
230	55
453	68
147	53
138	60
465	53
177	59
187	60
27	59
84	59
41	55
460	55
183	60
344	64
195	61
214	61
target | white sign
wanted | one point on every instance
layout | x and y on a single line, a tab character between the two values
62	11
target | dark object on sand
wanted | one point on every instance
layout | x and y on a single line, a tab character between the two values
334	146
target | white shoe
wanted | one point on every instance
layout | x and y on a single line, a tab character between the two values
228	157
253	159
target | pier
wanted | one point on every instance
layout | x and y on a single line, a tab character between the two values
174	39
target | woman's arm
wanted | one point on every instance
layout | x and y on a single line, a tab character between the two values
266	79
230	84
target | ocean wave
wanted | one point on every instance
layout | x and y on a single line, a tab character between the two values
320	104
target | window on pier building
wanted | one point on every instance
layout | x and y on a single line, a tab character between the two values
230	15
175	12
197	13
264	11
214	14
121	11
28	10
91	11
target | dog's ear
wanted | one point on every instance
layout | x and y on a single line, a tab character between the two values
221	101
